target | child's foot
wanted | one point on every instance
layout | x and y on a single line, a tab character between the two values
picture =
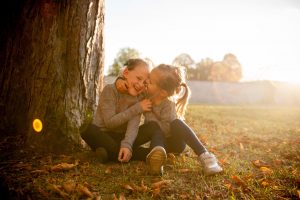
156	159
101	155
210	164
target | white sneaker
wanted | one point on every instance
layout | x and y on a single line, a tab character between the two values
155	160
210	163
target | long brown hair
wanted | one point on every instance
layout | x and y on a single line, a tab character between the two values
172	80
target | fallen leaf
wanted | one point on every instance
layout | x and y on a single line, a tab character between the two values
171	158
238	181
62	167
128	187
69	187
141	188
115	197
159	184
264	183
277	162
145	188
58	190
228	185
298	192
122	197
242	146
184	196
84	191
40	171
155	192
266	170
224	160
184	170
108	170
260	163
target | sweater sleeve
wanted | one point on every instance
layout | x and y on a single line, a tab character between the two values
167	115
108	103
131	132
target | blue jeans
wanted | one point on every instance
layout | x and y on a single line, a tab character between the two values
111	141
182	135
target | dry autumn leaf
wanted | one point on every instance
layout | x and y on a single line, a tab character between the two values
84	191
69	187
62	167
155	192
264	183
159	184
171	158
128	187
108	170
115	197
238	181
184	170
58	190
260	163
242	146
122	197
135	188
40	171
265	170
141	188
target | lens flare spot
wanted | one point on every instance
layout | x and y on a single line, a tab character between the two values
37	125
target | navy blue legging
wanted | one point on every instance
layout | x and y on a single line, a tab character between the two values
151	131
182	135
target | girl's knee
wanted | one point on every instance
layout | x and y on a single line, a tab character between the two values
177	122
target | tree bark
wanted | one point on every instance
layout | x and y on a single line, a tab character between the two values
52	69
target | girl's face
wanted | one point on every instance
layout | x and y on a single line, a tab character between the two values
136	79
152	84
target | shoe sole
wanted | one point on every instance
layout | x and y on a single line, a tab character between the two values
155	161
213	172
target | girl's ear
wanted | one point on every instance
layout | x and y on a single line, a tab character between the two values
125	72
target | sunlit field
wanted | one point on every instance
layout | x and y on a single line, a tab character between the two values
258	148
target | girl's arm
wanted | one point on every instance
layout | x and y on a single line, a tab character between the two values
166	116
107	105
131	132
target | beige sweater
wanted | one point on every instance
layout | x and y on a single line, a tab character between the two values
117	112
163	114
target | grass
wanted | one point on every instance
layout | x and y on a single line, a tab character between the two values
258	148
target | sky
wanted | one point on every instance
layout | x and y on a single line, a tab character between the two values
263	34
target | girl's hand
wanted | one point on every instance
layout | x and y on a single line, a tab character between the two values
146	105
124	154
121	85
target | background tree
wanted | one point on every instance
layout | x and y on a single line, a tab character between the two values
51	68
229	69
186	61
235	72
123	55
203	69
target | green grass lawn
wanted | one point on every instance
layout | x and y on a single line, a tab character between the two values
258	147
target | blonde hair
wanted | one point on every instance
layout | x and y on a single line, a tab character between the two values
172	80
133	62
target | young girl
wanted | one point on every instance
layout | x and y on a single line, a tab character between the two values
165	81
115	126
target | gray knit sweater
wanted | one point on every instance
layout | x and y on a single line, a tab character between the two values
163	114
117	112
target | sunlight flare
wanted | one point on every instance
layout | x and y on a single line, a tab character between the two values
37	125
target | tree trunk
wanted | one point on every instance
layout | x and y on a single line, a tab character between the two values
52	69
